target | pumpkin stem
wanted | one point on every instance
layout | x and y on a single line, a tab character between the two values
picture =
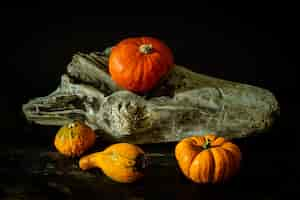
71	125
146	48
206	145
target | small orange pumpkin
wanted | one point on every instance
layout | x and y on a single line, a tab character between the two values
74	139
208	159
137	64
122	162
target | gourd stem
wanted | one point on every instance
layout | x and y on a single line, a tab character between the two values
206	145
146	48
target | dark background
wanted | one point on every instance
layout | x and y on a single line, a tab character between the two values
253	44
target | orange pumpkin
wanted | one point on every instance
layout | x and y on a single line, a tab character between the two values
137	64
74	139
121	162
208	159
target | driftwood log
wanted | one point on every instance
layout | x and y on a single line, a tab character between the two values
184	103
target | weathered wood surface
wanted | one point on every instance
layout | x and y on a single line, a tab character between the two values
184	103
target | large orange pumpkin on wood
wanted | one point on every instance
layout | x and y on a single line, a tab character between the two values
137	64
208	159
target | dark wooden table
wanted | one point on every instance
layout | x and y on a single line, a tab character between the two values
32	169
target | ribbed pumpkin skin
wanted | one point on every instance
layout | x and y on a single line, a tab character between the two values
136	71
216	164
74	139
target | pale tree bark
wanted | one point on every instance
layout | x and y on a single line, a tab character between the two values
184	103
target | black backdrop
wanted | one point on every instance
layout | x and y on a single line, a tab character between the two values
258	46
